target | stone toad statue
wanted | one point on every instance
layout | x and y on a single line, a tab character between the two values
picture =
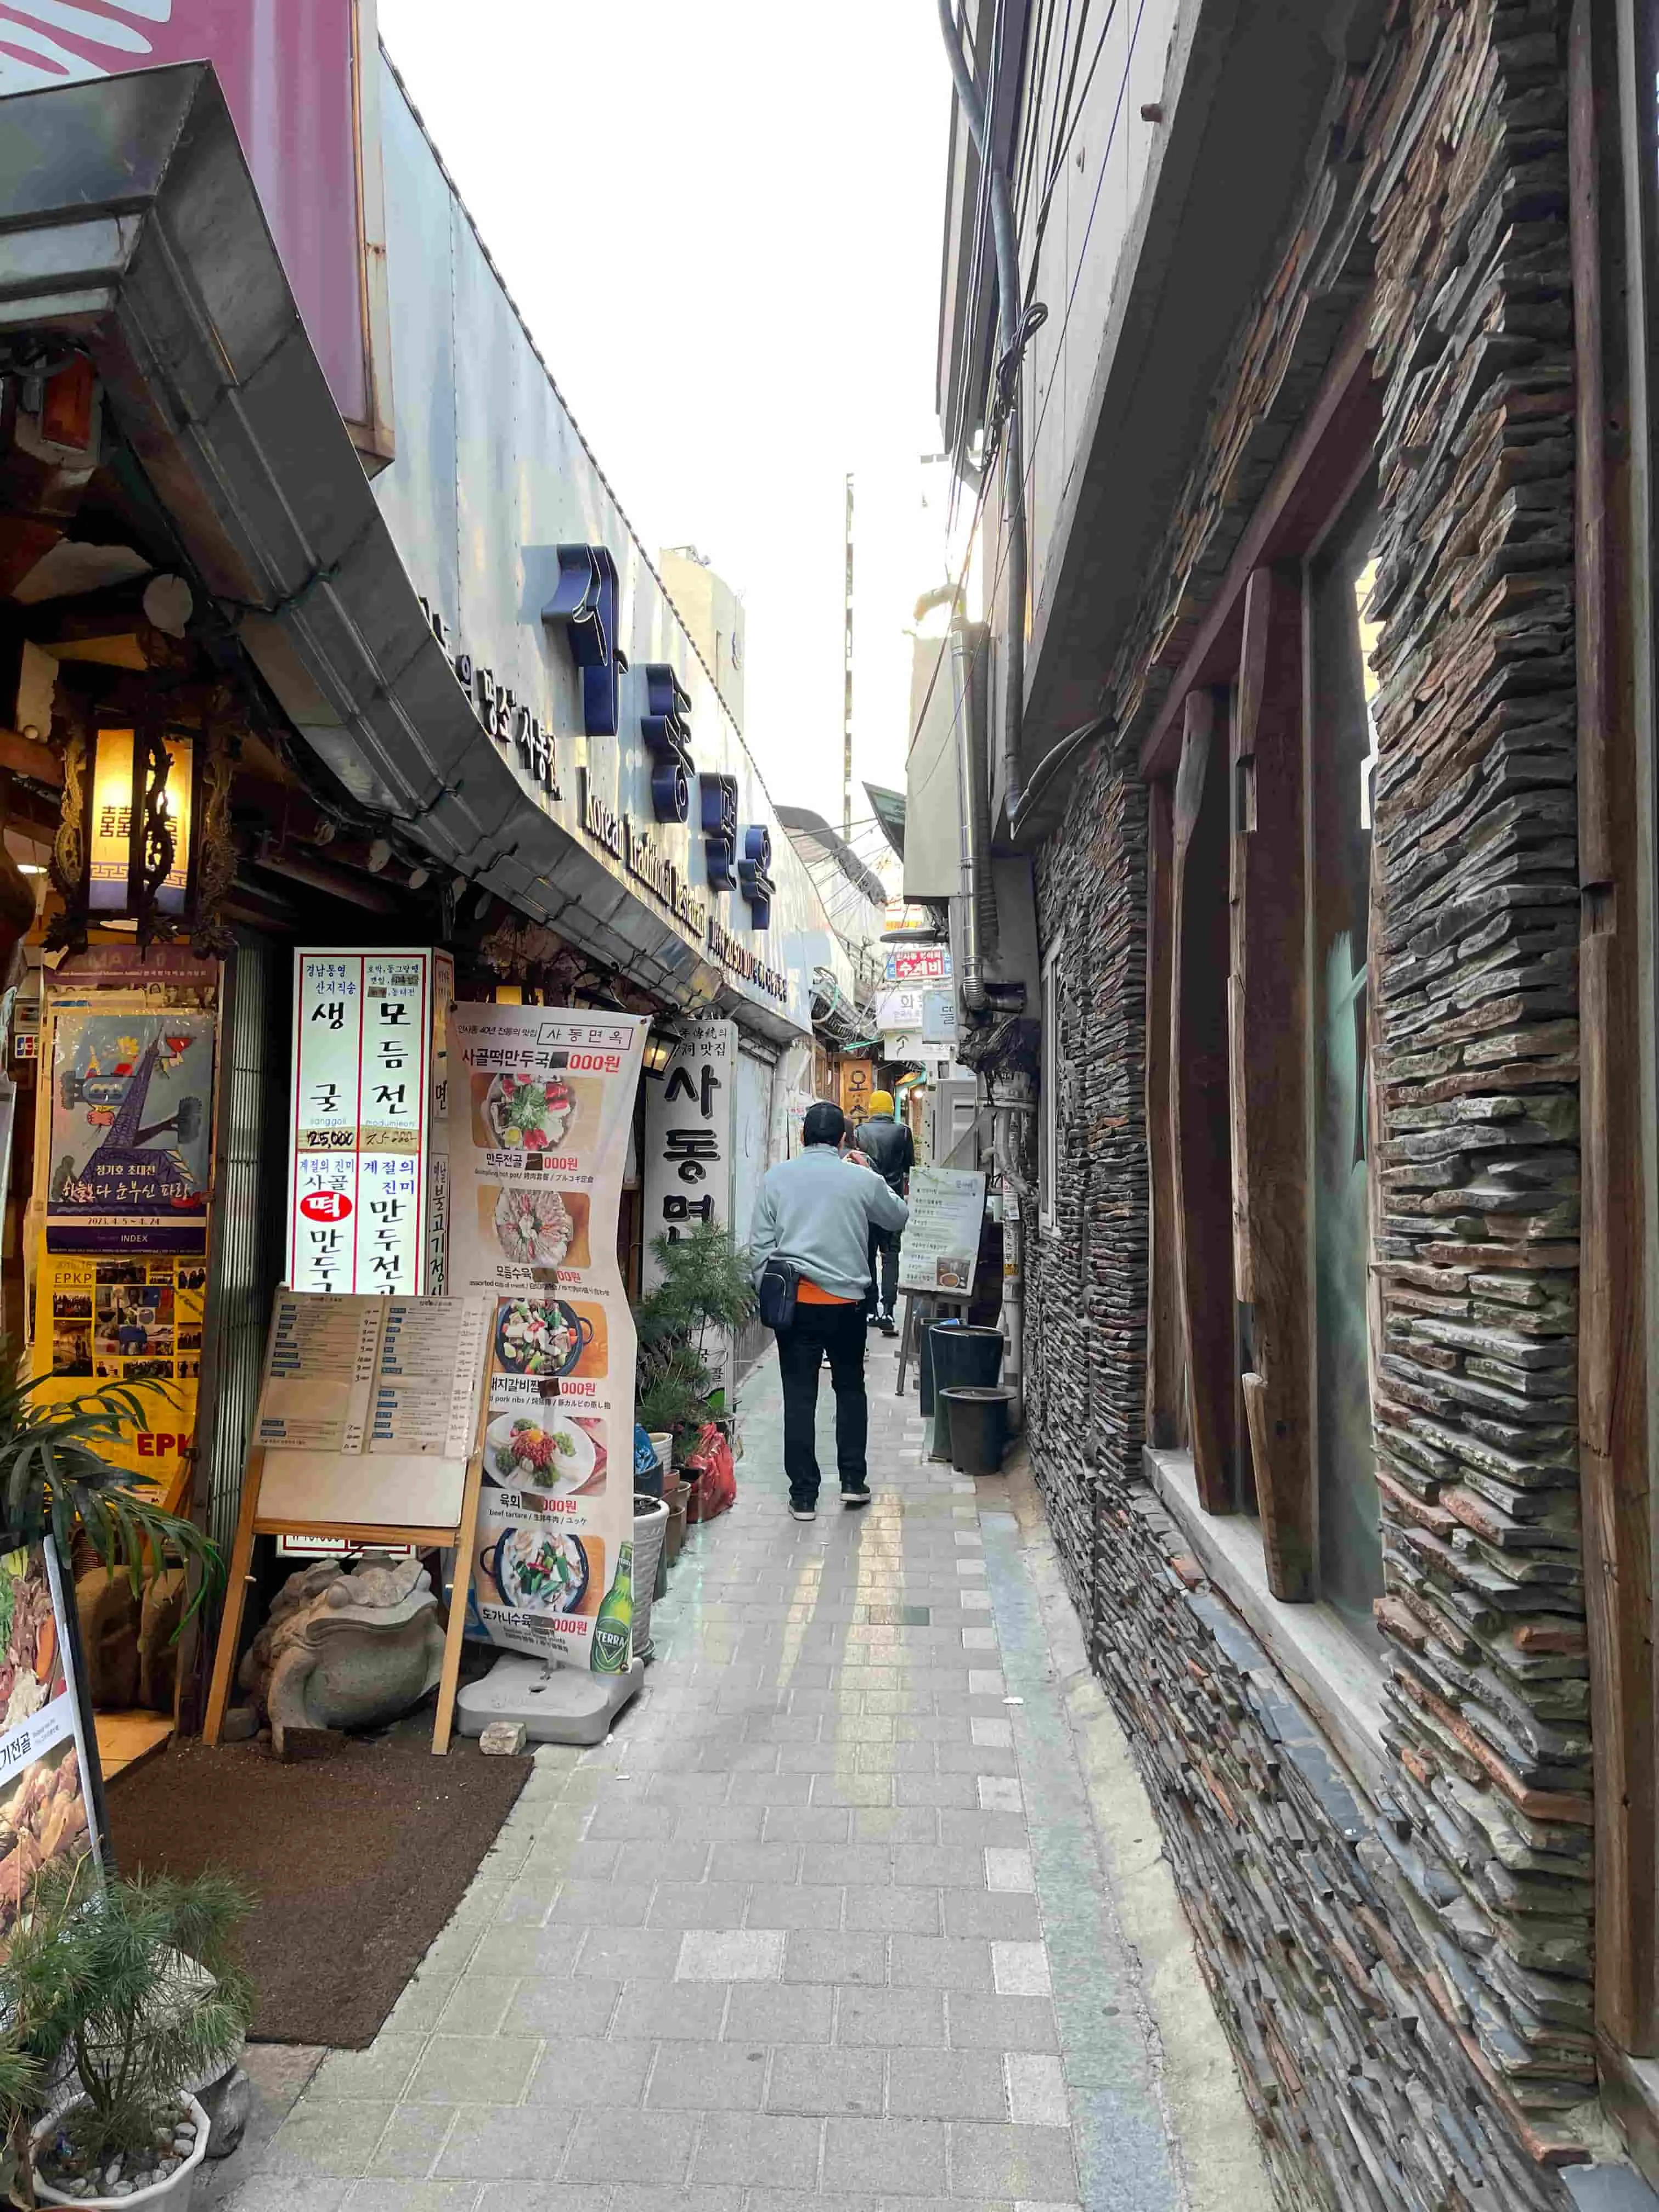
346	1650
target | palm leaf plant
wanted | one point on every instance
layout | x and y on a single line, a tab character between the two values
55	1477
703	1286
135	1984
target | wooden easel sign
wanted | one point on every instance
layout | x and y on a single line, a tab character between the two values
369	1431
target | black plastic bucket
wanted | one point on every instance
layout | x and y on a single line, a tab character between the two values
964	1356
979	1419
925	1364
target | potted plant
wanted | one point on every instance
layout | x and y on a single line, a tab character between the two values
54	1480
118	1996
703	1286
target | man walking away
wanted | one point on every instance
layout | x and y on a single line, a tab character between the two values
817	1211
886	1143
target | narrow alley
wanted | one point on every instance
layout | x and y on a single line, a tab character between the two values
882	1966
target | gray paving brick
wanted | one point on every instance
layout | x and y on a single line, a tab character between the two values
601	1904
947	2085
462	2069
808	1823
628	1954
1002	2023
670	2011
414	2136
813	2078
895	2019
796	1905
811	1957
999	1914
379	2072
770	2013
591	2069
697	1904
775	1861
900	2158
940	1962
891	1911
758	2150
651	2147
505	2142
331	2140
414	2196
514	2197
1021	2163
550	2008
708	2077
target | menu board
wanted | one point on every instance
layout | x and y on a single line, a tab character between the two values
346	1376
46	1799
360	1172
941	1238
541	1103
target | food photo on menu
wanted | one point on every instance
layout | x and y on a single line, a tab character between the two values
553	1454
536	1568
547	1338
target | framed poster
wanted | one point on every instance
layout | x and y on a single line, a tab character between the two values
132	1131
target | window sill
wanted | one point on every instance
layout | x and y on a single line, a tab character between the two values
1331	1671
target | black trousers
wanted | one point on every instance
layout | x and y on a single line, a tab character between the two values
816	1331
884	1270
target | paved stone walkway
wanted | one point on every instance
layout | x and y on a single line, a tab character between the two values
822	1925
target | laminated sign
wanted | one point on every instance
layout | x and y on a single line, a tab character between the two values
541	1102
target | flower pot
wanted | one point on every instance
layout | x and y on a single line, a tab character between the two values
174	2193
650	1527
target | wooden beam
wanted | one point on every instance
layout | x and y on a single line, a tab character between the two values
1612	1378
1336	438
1199	1121
1164	1374
1268	1003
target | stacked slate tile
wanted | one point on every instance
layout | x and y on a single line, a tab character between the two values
1401	1959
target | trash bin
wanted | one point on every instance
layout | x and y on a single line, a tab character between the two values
979	1419
925	1364
967	1356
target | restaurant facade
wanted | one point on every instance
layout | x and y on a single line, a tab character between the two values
338	690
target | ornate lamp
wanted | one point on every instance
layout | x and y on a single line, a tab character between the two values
143	837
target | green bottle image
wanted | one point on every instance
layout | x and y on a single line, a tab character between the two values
613	1624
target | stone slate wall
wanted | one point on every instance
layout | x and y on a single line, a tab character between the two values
1406	1979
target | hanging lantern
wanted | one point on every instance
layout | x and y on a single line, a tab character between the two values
127	845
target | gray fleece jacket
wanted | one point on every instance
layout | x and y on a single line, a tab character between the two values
817	1210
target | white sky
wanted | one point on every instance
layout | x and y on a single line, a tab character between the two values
722	220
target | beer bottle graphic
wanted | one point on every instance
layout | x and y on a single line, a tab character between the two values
613	1624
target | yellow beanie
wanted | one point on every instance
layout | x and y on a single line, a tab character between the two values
881	1102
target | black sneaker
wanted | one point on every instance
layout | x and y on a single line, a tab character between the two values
859	1497
807	1512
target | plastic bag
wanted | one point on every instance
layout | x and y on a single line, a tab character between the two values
715	1490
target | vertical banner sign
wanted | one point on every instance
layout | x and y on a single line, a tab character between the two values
691	1133
437	1172
540	1104
359	1136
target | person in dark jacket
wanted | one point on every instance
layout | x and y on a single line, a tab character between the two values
886	1143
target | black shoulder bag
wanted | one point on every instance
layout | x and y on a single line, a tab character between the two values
780	1280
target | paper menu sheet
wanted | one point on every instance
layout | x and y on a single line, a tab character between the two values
426	1385
349	1374
319	1374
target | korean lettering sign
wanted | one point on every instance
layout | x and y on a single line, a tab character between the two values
360	1136
689	1136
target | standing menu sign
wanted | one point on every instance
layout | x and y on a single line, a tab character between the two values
690	1146
941	1238
49	1794
366	1432
370	1071
541	1101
